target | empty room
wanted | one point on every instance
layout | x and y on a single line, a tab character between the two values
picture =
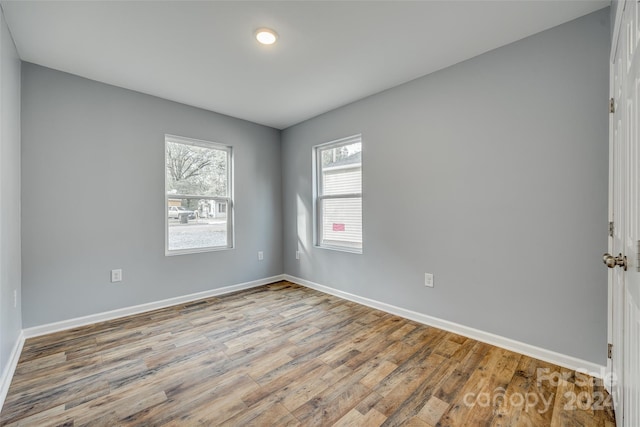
317	213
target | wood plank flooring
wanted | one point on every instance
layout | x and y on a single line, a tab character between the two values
284	355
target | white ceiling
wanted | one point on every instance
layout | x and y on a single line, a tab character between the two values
329	53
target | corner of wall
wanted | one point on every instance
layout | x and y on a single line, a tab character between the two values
11	338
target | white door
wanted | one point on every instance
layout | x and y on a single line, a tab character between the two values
624	280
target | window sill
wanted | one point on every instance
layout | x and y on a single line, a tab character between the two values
340	249
196	251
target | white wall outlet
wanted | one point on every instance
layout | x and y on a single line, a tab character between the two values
428	280
15	298
297	254
116	275
260	255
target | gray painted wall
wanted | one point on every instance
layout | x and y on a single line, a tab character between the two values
93	198
491	174
10	316
615	4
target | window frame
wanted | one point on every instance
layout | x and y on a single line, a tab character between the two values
228	199
318	196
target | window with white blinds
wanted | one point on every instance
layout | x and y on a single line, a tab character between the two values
338	194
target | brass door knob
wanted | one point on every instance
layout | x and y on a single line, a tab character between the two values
613	261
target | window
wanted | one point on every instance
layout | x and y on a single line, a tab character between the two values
198	196
338	191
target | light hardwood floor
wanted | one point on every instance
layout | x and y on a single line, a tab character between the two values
286	355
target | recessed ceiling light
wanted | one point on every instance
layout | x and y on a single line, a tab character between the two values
266	36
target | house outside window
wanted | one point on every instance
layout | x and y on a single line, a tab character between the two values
338	194
198	196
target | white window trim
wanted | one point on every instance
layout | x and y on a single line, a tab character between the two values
316	191
228	200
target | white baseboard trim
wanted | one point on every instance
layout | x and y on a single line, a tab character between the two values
10	368
570	362
137	309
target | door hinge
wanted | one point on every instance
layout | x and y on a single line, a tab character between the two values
609	350
612	105
611	228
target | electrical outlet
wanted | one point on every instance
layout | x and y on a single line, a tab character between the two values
116	275
428	280
297	254
260	255
15	298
